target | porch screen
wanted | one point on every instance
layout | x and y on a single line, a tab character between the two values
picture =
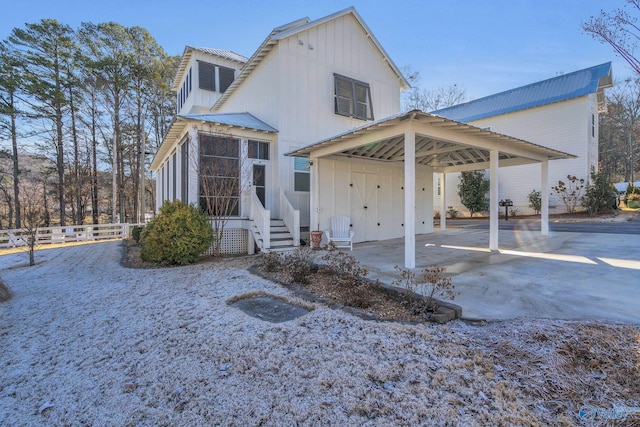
219	175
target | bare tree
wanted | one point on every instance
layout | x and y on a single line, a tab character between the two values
619	150
223	177
429	99
32	213
619	29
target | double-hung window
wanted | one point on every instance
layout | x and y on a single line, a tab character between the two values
301	174
352	98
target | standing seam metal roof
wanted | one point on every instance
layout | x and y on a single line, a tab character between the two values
242	120
561	88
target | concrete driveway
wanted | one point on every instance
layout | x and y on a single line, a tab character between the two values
559	276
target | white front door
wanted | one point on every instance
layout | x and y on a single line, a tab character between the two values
364	206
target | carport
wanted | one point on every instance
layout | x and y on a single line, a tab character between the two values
418	141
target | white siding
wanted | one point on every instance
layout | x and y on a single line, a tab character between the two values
564	126
293	88
346	187
200	100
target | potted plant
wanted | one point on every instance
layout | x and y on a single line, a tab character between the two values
316	239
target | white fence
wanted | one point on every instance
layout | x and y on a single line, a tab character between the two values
71	233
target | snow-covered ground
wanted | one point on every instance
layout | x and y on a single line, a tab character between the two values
86	341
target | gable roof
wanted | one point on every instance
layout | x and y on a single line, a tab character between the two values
562	88
383	140
188	53
180	122
296	27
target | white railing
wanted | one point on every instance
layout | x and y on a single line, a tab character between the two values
261	217
69	233
300	201
290	217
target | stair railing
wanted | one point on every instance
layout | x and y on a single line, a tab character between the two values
261	217
290	217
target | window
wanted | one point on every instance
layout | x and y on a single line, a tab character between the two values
207	76
352	98
189	79
226	76
175	175
258	150
184	172
220	175
301	174
162	193
593	125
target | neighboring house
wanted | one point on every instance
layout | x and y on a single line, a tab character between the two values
560	113
309	128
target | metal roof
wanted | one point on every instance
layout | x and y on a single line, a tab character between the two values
186	58
241	120
180	122
295	27
567	86
448	153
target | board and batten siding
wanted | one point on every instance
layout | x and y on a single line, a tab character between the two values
293	89
564	126
372	194
199	101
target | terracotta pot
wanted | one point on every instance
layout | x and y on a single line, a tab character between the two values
316	239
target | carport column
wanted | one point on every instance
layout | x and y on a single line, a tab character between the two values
493	200
443	201
314	199
410	199
544	208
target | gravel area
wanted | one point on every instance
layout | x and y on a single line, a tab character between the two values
86	341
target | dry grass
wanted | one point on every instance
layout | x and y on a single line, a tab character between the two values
563	365
5	292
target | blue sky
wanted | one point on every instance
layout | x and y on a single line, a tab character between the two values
485	46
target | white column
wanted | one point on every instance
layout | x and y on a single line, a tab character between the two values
410	199
314	197
443	201
544	211
493	201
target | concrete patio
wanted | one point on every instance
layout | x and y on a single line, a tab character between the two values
558	276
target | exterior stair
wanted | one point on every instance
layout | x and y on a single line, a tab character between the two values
281	238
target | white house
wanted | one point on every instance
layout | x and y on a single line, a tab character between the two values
309	127
561	113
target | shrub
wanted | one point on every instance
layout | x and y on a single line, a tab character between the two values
298	265
633	201
514	212
272	261
430	284
472	189
570	193
452	212
5	292
535	201
136	232
600	195
348	270
178	235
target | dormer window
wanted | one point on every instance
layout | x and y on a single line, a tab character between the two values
207	77
352	98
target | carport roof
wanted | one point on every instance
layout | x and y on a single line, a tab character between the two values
442	143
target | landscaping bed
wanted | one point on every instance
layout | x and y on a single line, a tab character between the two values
336	279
